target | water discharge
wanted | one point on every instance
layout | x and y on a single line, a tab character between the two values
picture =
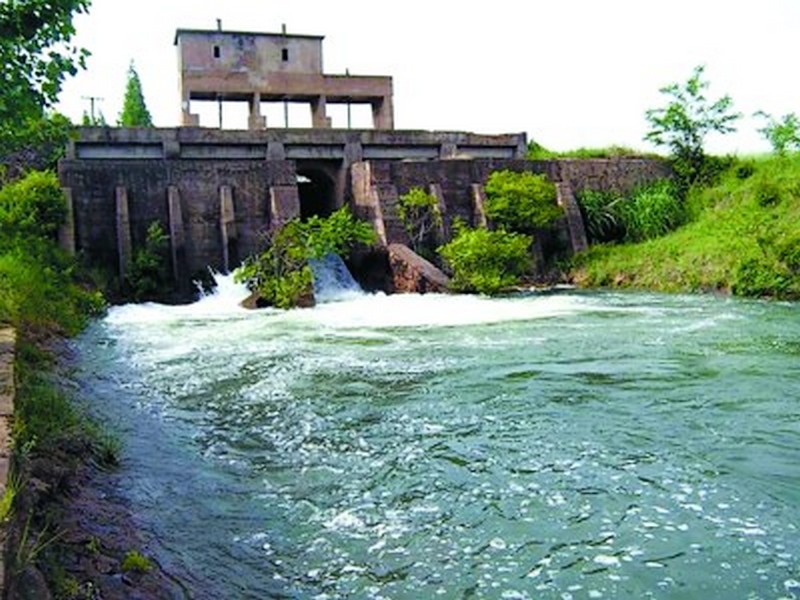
562	445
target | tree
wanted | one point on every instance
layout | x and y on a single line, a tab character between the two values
683	124
134	111
419	212
37	54
99	121
783	134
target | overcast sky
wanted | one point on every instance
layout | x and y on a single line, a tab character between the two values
570	73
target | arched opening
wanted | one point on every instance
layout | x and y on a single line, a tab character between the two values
317	191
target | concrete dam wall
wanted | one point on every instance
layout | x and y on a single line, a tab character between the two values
217	192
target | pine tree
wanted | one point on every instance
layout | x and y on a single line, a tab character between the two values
134	111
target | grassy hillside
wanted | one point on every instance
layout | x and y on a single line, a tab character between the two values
742	236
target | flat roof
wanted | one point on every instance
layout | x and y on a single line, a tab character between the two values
179	32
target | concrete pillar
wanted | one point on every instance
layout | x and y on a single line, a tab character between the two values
367	198
276	151
479	205
435	190
66	233
227	222
124	248
448	150
284	205
187	118
577	231
177	237
319	113
383	113
255	121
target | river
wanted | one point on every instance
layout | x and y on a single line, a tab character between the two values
549	445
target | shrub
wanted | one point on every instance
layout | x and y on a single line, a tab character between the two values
521	202
486	261
419	212
148	272
32	206
782	134
281	275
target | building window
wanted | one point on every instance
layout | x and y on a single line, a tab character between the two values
216	51
285	55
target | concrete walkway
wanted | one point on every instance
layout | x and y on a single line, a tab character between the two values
7	345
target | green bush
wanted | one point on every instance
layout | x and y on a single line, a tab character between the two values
521	202
281	275
32	206
419	212
487	262
148	274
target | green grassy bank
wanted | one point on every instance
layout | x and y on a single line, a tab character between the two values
741	235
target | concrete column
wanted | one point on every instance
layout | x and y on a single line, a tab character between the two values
448	150
435	190
124	248
177	237
479	205
276	151
255	121
367	200
187	118
577	231
319	113
66	233
383	113
227	222
284	205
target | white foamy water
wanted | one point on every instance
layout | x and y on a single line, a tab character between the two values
351	308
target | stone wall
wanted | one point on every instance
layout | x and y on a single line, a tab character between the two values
199	189
216	208
378	186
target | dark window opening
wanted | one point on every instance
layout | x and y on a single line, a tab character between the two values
216	51
285	54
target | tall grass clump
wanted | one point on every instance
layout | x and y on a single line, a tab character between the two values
647	213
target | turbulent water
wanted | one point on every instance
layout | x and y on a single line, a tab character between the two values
564	445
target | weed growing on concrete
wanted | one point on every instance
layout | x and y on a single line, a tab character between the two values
137	562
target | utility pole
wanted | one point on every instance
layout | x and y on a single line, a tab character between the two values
219	109
92	100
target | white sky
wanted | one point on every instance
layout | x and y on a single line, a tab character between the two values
570	73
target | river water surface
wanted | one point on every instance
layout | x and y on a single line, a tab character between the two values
565	445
